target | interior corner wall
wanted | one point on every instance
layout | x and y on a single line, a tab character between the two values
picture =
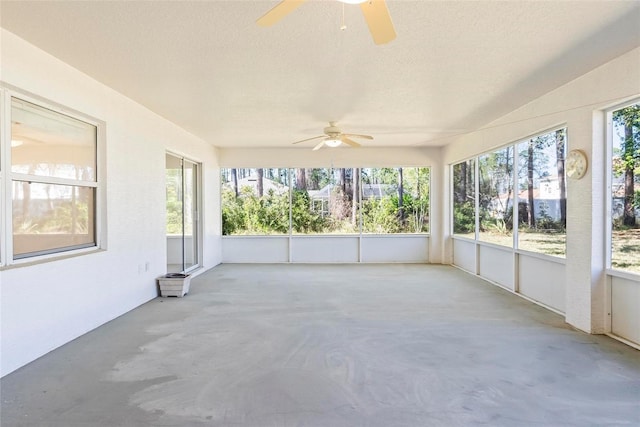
579	106
45	305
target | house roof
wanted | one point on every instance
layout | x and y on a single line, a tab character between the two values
368	191
267	185
206	66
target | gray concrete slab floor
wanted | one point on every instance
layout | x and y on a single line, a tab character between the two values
332	345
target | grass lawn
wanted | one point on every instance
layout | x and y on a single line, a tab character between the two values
625	245
546	243
625	253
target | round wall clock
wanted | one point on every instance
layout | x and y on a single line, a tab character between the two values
576	165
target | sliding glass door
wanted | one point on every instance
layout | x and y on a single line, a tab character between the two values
183	210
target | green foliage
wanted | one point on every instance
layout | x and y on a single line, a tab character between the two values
380	215
302	218
464	218
629	154
233	217
627	158
499	227
495	182
250	214
383	215
174	202
174	217
66	217
274	210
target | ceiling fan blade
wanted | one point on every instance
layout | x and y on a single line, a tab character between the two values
350	142
379	21
319	146
280	10
353	135
309	139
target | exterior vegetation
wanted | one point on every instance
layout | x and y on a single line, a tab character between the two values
540	188
625	189
541	191
325	200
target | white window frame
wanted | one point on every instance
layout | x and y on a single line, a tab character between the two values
515	184
7	177
359	233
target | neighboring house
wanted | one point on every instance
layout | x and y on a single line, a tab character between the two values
320	198
617	202
546	200
252	182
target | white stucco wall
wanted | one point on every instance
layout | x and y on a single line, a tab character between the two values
579	106
48	304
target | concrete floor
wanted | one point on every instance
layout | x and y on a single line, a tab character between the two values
346	345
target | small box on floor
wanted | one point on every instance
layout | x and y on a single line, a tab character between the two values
174	285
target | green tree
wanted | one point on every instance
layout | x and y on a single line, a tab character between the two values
560	149
629	119
536	168
496	189
464	197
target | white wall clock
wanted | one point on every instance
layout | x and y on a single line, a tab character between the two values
576	165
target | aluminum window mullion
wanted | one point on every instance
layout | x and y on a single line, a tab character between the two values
515	210
5	183
476	185
40	179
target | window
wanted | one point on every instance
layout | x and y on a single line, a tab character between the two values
542	196
53	181
183	207
325	201
496	196
625	188
395	200
464	199
255	201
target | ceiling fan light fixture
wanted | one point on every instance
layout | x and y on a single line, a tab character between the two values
333	143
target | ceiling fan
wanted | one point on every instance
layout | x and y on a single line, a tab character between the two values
375	13
333	137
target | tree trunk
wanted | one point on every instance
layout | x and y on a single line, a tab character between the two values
356	196
234	178
629	218
314	179
343	180
532	216
561	178
301	179
463	183
400	195
507	173
260	184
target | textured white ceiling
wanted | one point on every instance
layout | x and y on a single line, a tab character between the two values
207	67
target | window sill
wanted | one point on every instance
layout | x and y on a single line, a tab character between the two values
42	259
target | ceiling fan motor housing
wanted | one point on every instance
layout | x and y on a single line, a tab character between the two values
332	130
